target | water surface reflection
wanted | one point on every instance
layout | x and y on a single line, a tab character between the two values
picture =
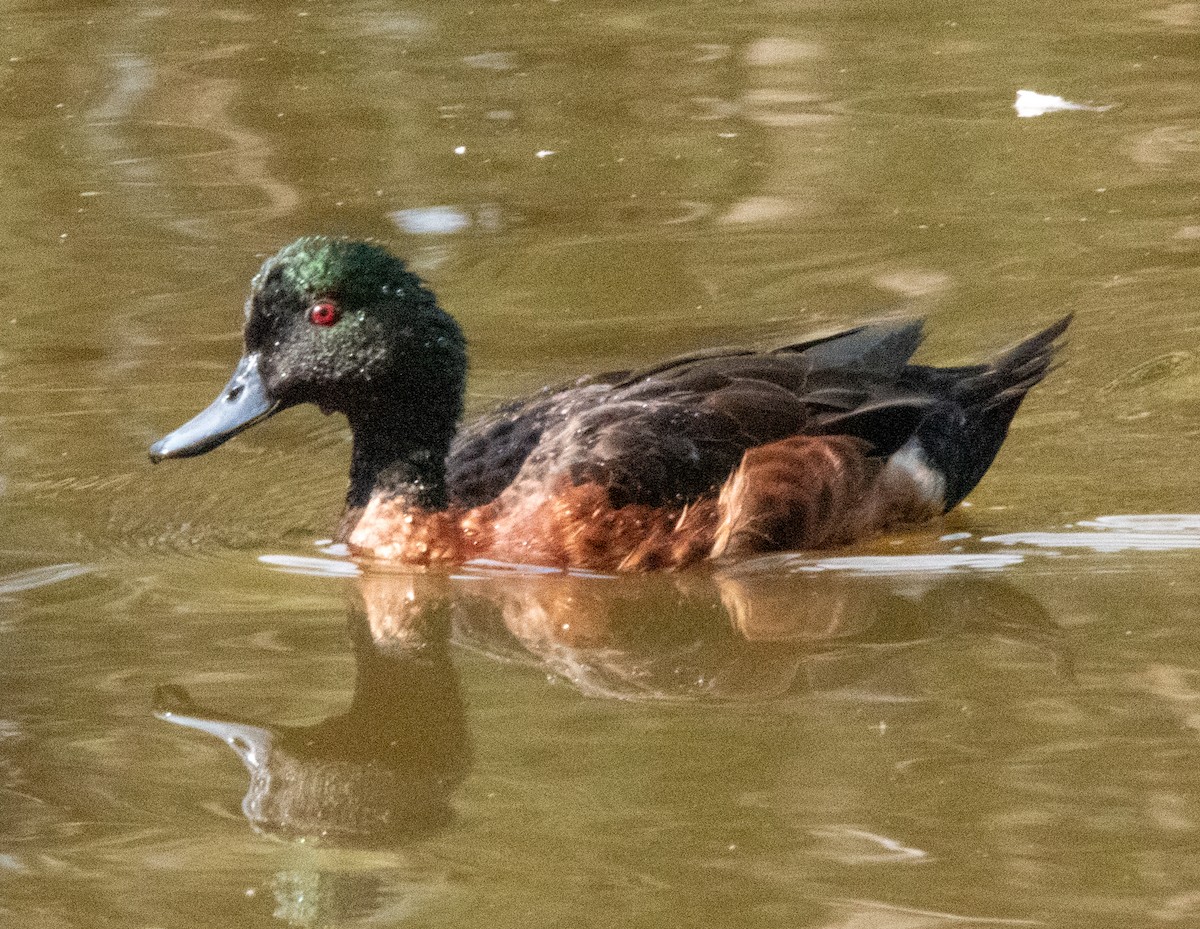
384	769
920	758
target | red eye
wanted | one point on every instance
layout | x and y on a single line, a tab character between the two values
323	313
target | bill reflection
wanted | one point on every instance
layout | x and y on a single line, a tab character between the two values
385	770
382	770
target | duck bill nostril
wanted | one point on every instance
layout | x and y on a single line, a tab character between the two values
243	402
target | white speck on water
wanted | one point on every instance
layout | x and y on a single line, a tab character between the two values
1030	103
460	149
546	153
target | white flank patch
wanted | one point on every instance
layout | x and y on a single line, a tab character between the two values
912	460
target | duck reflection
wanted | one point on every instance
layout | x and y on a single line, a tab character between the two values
736	635
386	768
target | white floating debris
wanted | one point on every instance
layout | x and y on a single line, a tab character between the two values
546	153
1031	103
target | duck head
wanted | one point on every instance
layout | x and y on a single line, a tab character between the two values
344	325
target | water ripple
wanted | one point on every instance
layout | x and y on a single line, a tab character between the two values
1151	532
41	577
941	563
315	567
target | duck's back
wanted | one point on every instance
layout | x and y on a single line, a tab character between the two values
664	436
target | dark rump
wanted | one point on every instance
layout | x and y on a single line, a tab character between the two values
963	433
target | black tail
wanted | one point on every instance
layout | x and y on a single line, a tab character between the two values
963	434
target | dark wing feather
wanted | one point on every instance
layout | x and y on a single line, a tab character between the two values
670	433
667	434
883	349
881	345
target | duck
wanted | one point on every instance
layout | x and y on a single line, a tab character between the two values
714	456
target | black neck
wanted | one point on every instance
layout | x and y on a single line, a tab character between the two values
393	458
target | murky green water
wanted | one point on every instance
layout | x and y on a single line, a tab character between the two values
995	722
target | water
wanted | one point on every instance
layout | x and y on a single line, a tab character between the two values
993	721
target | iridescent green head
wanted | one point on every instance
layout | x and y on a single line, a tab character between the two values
342	324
